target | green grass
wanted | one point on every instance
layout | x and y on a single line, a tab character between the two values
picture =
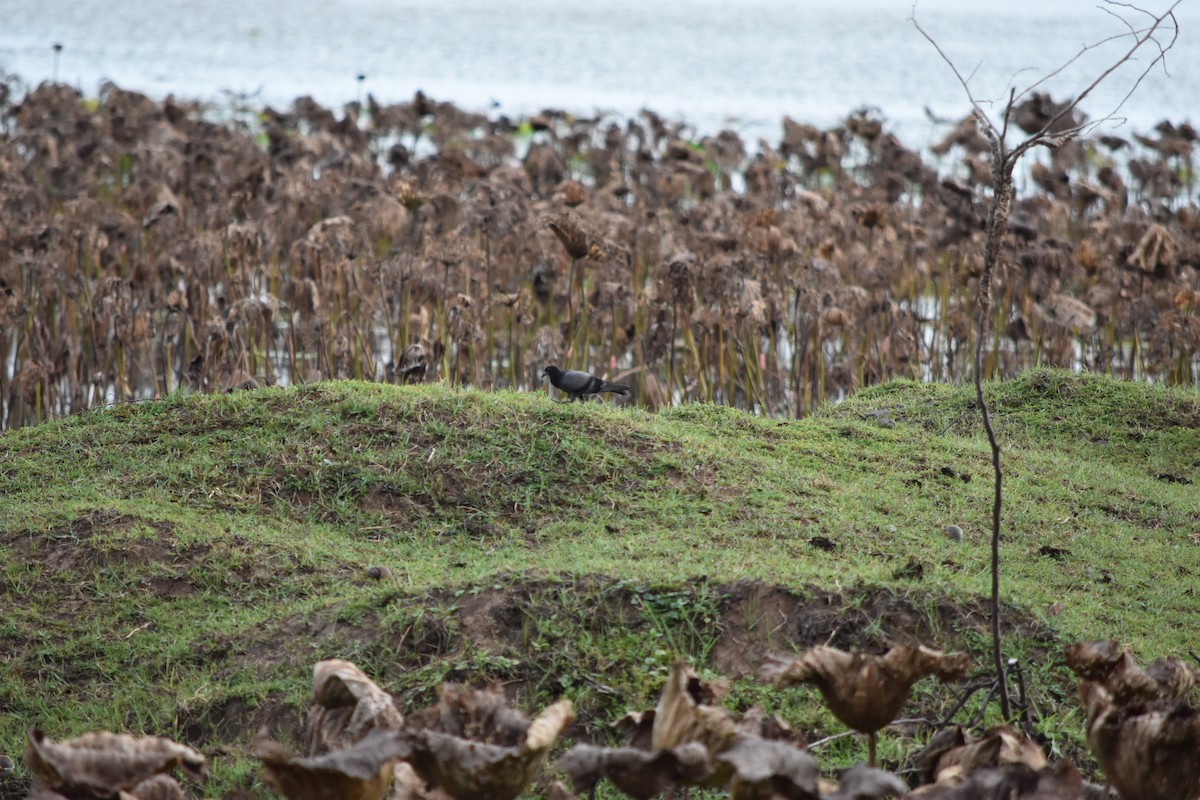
176	567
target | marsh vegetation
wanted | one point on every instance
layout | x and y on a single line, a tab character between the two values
149	247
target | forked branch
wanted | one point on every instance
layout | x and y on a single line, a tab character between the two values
1003	162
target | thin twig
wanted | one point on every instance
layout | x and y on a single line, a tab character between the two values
1079	98
970	690
828	739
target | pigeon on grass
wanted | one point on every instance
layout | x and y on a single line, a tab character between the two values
581	384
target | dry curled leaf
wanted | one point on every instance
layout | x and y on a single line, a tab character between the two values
864	691
471	745
1147	752
866	783
408	785
479	714
757	722
1059	781
638	727
103	764
346	706
1156	250
963	753
359	772
160	787
640	774
685	713
1145	737
1106	664
570	234
764	769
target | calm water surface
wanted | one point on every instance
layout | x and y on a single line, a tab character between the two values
713	63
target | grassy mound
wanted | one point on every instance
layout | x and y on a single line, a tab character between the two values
176	567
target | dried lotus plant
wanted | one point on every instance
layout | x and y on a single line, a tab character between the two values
866	692
763	769
361	771
1058	781
473	745
408	785
1114	668
687	740
1145	736
103	765
160	787
954	753
1147	752
346	706
641	774
686	713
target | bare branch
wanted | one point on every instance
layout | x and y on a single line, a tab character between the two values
953	68
1079	98
1011	86
1012	90
1082	52
1162	51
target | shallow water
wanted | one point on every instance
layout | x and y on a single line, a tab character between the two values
712	63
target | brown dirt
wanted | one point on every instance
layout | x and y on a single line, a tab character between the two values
79	544
755	619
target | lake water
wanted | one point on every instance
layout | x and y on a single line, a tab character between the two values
741	64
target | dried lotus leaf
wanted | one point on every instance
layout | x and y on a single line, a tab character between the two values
641	774
359	772
102	763
346	706
684	715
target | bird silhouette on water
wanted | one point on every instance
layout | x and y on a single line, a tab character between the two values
581	384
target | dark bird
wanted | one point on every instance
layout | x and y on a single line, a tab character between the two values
581	384
6	767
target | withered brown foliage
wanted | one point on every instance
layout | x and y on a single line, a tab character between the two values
473	745
1143	732
863	690
361	771
346	706
144	247
866	691
104	765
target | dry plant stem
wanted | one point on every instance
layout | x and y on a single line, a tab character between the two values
671	350
1003	161
997	225
570	299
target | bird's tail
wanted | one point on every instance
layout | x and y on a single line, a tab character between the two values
616	388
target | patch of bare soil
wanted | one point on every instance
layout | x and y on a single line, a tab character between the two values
83	543
99	540
759	618
529	633
233	719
